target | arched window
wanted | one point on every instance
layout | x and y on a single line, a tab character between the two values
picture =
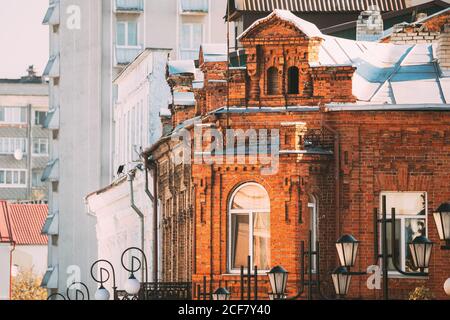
293	80
249	227
313	218
272	81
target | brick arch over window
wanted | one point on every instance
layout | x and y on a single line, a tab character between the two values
272	85
293	80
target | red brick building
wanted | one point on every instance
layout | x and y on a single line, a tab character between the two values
353	121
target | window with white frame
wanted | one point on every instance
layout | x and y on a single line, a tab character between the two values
39	118
15	115
36	179
11	145
13	178
313	216
191	40
40	146
249	227
127	33
410	222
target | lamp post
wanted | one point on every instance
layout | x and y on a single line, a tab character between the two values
447	287
442	219
347	248
102	293
278	280
420	249
221	294
132	285
341	281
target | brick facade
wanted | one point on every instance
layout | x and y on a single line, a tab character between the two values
360	154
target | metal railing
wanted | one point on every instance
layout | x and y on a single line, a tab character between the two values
130	5
194	6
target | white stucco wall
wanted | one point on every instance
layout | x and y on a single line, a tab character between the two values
4	271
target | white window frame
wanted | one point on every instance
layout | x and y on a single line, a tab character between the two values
35	117
126	23
250	212
14	185
40	140
14	141
13	115
192	48
402	218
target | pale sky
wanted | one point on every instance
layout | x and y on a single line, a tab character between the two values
23	38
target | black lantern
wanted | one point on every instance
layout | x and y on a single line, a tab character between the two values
442	219
341	281
278	280
421	252
221	294
347	248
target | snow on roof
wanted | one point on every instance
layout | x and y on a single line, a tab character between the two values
308	28
388	73
214	52
181	66
183	99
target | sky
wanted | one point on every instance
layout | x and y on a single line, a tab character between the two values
23	38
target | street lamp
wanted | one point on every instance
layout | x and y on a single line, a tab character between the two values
132	285
447	287
421	252
221	294
442	219
278	280
102	294
347	248
341	281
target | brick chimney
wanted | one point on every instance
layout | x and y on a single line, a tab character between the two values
443	50
369	26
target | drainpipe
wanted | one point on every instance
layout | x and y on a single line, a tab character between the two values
131	176
10	268
337	155
153	198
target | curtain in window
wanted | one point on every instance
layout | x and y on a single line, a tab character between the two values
120	34
240	237
261	240
132	34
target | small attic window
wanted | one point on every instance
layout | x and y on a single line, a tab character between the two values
293	80
272	81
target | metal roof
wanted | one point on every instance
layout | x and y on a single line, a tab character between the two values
387	73
214	52
317	5
181	66
27	221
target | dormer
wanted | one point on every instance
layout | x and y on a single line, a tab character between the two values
282	55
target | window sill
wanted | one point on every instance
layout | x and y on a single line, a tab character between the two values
396	275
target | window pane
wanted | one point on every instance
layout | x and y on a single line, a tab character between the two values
251	197
198	36
2	114
23	115
15	177
132	33
2	177
405	203
398	246
22	177
186	36
261	240
120	34
413	229
8	177
239	240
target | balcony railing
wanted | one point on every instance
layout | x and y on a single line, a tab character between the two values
126	55
130	6
194	6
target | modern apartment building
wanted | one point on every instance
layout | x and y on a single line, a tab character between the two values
90	44
24	141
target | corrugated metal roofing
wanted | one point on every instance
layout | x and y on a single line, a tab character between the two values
5	225
27	221
387	73
22	223
318	5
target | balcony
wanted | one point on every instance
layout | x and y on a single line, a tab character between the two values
126	55
129	6
194	6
